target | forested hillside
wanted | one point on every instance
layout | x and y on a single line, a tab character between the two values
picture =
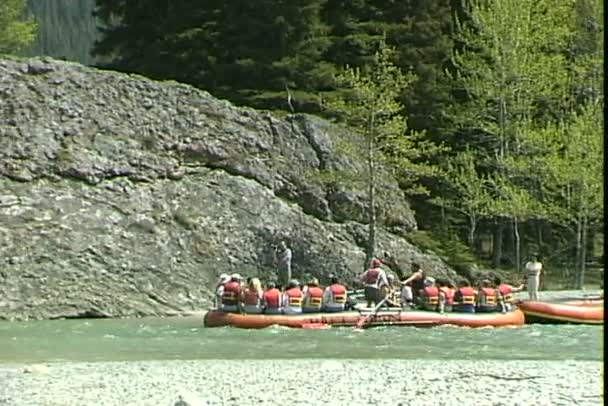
510	93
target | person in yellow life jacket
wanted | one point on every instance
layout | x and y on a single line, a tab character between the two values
335	296
292	298
231	294
313	297
429	295
272	299
465	297
373	279
504	294
486	297
251	297
446	295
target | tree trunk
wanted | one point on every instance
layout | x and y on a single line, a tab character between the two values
517	245
371	239
578	256
497	245
472	228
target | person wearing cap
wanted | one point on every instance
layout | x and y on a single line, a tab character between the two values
292	298
313	297
272	299
231	294
251	297
429	295
219	289
373	279
533	270
334	296
486	297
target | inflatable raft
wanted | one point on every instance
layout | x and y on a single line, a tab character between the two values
575	311
416	318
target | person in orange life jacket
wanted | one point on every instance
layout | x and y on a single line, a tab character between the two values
272	300
313	297
446	295
464	298
219	289
373	279
231	294
251	297
292	298
413	285
334	296
429	296
504	294
486	297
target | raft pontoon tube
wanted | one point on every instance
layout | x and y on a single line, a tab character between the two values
579	311
416	318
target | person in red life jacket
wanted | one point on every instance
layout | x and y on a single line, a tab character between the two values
292	298
231	294
504	294
429	296
335	296
413	285
251	297
446	295
219	289
486	297
465	297
313	297
373	279
272	300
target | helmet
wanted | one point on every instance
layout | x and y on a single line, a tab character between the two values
224	278
428	281
235	277
293	283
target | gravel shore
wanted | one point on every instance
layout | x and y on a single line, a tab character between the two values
303	382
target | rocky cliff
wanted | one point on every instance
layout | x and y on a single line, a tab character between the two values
121	196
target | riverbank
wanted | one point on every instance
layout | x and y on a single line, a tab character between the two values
304	382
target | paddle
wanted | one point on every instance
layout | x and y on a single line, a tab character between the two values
363	320
316	326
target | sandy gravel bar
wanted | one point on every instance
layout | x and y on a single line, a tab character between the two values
304	382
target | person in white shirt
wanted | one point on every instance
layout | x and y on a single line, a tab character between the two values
533	270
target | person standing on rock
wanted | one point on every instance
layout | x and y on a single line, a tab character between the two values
283	257
533	270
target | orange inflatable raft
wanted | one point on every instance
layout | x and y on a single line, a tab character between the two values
417	318
576	311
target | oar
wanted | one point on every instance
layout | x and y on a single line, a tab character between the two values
363	320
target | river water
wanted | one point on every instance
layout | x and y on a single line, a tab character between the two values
185	338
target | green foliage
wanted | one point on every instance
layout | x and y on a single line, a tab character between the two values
446	245
16	30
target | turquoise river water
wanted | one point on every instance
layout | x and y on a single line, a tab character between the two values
186	338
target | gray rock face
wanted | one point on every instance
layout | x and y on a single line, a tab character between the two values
121	196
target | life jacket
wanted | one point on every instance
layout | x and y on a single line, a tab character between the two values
466	296
230	297
338	293
507	292
430	297
272	298
251	298
371	276
295	297
487	297
314	298
448	294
